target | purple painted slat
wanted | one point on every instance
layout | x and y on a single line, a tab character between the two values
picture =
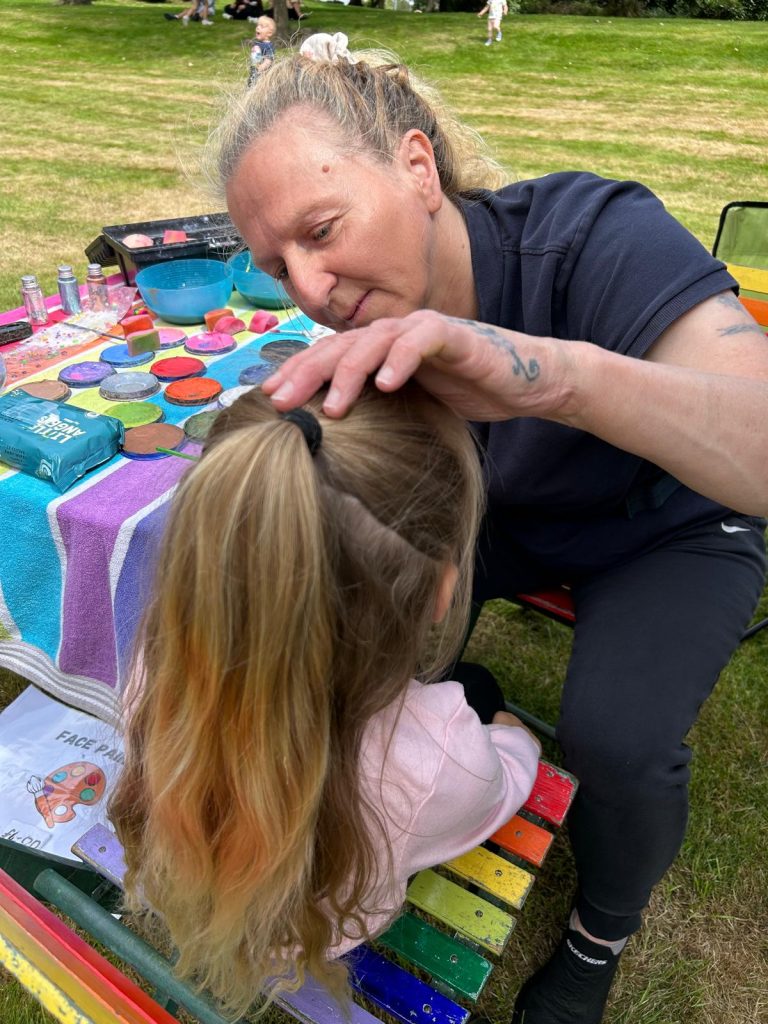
102	850
399	993
90	523
313	1003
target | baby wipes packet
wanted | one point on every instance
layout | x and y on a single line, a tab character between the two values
55	441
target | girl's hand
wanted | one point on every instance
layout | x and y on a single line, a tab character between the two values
480	371
507	718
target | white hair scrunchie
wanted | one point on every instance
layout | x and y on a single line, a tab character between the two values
326	47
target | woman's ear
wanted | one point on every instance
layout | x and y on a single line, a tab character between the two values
417	158
445	591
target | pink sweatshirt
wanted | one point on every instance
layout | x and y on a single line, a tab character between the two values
443	785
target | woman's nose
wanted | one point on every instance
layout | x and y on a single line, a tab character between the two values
308	281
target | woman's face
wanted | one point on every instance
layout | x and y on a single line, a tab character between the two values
350	238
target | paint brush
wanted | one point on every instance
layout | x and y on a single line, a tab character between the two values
91	330
179	455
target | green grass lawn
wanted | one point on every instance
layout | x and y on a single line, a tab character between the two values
103	109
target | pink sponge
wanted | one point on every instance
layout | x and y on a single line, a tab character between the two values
169	235
229	325
137	241
262	321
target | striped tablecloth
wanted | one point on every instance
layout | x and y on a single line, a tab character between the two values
75	568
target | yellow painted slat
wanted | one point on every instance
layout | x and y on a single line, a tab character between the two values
752	278
470	915
493	874
39	986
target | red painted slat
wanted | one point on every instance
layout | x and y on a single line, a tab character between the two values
552	793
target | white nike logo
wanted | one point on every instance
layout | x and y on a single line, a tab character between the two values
734	529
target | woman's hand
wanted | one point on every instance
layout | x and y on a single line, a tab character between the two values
480	371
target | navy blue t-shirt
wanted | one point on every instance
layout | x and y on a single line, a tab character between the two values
578	257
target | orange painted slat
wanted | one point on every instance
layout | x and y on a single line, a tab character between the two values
552	793
524	839
69	960
757	307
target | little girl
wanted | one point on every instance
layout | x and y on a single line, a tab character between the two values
287	767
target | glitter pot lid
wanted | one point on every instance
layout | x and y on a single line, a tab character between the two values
198	427
279	351
256	374
135	414
193	391
177	368
211	343
131	386
86	374
49	390
143	442
118	355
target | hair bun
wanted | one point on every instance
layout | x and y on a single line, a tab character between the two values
328	48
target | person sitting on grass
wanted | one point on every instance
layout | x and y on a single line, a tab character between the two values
243	10
198	10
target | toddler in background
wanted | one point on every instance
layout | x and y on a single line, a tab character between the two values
261	49
287	765
496	10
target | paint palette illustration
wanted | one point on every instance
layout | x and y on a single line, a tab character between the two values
57	795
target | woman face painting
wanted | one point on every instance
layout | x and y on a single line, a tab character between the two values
351	238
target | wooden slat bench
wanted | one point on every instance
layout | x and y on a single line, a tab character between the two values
456	916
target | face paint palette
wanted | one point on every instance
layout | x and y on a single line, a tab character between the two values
143	442
171	337
135	414
49	390
211	343
86	374
119	356
226	398
278	351
256	374
193	391
131	386
198	426
177	368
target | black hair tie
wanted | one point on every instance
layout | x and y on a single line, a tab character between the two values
309	426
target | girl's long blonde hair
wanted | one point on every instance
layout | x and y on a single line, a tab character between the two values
294	598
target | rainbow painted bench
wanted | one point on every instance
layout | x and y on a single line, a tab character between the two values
430	967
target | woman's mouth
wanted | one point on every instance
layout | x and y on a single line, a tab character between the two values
355	315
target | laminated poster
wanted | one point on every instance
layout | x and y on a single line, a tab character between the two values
57	769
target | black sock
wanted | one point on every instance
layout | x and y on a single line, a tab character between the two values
572	987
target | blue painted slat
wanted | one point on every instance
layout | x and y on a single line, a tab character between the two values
399	993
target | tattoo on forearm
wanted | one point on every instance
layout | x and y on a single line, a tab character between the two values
730	300
750	328
530	371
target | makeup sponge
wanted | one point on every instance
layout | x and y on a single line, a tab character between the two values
262	321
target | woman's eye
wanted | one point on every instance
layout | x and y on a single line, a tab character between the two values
281	273
322	233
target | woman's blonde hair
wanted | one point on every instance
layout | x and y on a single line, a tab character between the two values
374	101
294	599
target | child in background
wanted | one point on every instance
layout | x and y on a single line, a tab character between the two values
262	50
287	765
496	10
199	10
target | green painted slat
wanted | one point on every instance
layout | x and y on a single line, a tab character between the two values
469	915
442	956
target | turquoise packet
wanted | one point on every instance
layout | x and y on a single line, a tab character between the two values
55	441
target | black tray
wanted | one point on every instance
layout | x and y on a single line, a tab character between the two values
210	236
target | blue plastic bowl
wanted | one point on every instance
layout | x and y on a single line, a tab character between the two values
255	286
183	291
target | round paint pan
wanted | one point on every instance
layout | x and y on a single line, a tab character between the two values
85	375
50	390
143	442
255	374
226	398
131	386
119	357
177	368
135	414
193	391
198	427
211	343
171	337
278	351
